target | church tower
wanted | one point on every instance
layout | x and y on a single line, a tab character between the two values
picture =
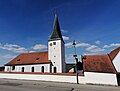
56	50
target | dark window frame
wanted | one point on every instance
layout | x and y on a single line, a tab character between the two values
50	44
55	69
42	69
23	69
37	58
13	67
32	69
18	59
54	43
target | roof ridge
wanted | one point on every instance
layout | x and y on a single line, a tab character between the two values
29	58
112	62
34	52
114	52
95	55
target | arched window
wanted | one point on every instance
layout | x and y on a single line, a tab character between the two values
55	69
32	69
13	67
42	69
22	69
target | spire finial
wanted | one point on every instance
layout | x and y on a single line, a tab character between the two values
55	13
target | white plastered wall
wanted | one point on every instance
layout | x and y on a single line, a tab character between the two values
64	69
56	55
28	68
88	78
100	78
116	62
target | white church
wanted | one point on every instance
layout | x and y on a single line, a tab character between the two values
97	69
52	60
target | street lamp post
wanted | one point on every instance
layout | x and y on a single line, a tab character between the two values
76	59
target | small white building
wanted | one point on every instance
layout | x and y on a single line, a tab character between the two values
51	61
115	57
103	63
100	69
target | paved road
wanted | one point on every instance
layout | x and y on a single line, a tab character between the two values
22	85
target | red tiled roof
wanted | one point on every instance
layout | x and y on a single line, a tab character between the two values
114	53
30	58
98	63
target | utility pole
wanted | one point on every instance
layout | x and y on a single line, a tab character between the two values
76	59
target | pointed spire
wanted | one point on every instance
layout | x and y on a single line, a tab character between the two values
56	33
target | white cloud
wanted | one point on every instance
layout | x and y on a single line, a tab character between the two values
13	47
64	31
69	58
106	46
115	44
65	38
94	48
91	53
8	56
82	45
31	51
97	42
69	45
39	47
112	45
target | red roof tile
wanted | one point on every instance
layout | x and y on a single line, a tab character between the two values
98	63
114	53
30	58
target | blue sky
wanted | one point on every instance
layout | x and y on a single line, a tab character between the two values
25	26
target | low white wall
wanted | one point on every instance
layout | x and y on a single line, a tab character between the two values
56	78
100	78
28	68
89	78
